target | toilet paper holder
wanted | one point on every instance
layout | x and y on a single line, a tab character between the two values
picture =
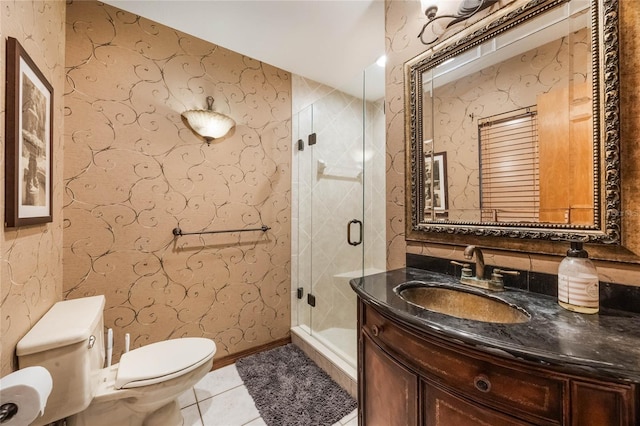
7	411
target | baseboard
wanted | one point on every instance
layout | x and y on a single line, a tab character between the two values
232	358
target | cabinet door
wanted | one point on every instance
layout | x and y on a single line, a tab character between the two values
390	391
444	409
597	405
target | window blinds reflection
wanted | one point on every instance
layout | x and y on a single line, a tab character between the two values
509	166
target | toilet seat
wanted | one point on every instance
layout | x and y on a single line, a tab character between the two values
162	361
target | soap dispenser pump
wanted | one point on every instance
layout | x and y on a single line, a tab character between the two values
578	284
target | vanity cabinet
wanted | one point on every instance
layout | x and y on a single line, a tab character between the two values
409	377
384	377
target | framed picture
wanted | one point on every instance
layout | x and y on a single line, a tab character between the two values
435	185
29	141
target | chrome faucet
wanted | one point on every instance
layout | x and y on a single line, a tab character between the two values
468	254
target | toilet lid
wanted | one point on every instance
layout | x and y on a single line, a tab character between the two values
162	361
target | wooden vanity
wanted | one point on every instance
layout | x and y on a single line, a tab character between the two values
414	375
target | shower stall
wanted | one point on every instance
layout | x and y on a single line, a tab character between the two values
338	199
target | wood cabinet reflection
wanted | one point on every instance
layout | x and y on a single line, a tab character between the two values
566	155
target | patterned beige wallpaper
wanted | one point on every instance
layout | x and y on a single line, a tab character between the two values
31	257
134	171
404	19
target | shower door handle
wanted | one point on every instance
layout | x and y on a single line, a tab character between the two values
354	243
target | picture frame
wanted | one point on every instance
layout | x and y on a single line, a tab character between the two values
29	140
436	196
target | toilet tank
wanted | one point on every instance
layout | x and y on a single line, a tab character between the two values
69	342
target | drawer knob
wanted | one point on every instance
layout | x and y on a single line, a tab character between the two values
376	330
482	383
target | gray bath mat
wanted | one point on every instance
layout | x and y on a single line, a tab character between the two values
289	389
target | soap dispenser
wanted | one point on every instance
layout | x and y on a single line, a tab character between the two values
578	283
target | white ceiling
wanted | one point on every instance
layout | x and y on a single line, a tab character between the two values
329	41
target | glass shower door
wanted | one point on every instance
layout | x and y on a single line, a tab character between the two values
337	171
340	174
303	215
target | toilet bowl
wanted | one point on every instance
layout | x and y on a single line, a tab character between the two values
142	389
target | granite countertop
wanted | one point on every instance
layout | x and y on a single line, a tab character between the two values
605	345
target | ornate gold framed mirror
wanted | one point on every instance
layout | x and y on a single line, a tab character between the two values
524	107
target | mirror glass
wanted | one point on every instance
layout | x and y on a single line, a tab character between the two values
505	130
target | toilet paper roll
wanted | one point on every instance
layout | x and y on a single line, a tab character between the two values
28	389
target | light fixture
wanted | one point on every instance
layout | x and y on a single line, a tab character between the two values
208	123
465	10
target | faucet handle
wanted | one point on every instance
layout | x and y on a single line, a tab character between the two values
505	272
466	269
498	274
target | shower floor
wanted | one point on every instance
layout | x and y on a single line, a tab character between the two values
343	341
338	345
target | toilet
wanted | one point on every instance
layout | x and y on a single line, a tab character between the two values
142	389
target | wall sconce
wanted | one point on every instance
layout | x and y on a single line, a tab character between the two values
466	9
208	123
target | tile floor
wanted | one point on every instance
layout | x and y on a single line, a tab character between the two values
221	399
